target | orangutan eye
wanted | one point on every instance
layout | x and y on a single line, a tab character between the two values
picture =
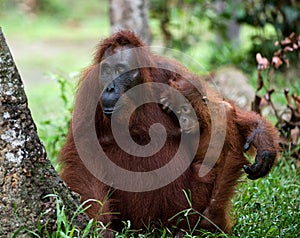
185	109
105	69
120	69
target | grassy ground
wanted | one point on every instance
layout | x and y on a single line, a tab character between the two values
43	46
267	207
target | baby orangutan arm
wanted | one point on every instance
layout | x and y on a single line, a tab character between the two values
256	130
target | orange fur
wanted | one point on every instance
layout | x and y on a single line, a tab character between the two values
211	194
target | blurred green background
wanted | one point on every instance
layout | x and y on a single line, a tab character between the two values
51	37
59	38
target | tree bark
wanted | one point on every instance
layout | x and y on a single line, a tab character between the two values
130	15
26	175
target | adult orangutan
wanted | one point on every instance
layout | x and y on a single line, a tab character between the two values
128	180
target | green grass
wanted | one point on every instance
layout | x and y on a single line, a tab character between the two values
268	207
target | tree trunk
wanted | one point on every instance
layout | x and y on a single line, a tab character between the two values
26	175
232	26
130	15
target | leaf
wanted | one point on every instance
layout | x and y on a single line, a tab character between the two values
295	46
286	41
263	62
276	62
279	53
293	36
267	97
291	14
260	82
295	134
258	58
87	229
288	49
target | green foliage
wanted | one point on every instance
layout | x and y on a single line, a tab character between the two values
179	21
287	120
227	54
283	15
55	7
185	23
53	131
64	227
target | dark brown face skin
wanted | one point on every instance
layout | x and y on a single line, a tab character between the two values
183	109
187	123
117	74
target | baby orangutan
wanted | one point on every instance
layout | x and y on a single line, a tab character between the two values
228	167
